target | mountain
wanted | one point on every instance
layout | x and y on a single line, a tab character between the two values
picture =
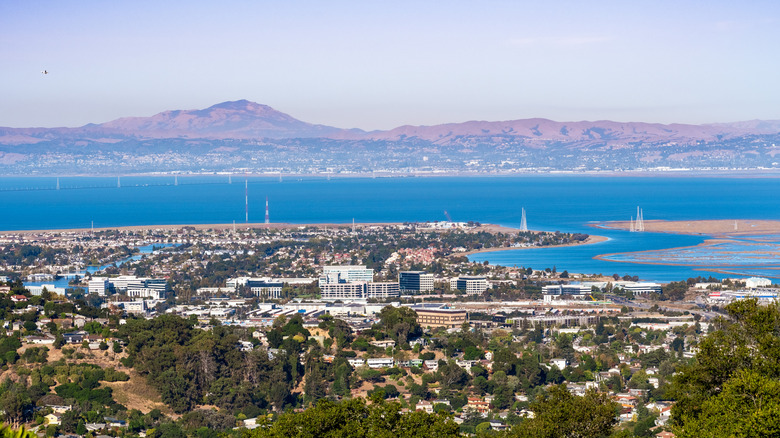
240	119
243	119
249	136
548	130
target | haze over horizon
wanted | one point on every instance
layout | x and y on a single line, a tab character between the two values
380	66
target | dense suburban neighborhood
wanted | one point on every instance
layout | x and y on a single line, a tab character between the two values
185	331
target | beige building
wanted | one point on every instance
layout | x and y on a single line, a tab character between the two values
448	318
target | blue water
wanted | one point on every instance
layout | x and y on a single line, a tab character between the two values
564	203
63	281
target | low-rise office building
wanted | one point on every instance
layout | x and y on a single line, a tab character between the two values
345	274
441	317
415	281
472	285
99	285
358	291
565	291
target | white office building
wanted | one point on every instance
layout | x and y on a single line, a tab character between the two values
638	288
472	285
120	283
571	290
345	274
382	290
757	282
38	290
153	288
99	285
358	291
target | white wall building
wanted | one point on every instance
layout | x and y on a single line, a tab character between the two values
153	288
38	290
569	290
359	291
345	274
756	282
472	285
98	285
638	288
380	362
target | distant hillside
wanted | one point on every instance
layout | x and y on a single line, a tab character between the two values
243	135
240	119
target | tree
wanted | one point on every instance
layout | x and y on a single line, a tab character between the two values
675	291
748	406
561	414
356	418
733	382
400	323
16	404
6	432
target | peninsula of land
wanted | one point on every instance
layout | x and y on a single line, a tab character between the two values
715	228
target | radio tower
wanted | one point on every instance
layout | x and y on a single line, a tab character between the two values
267	218
58	183
523	224
246	199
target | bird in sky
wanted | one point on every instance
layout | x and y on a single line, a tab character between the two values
45	72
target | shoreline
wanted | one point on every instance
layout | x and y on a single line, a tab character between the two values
752	173
490	228
220	227
592	239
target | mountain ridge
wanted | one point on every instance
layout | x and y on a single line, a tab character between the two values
247	136
243	119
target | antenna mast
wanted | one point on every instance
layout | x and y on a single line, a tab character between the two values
246	199
267	218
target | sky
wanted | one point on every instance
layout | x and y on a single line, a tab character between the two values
378	64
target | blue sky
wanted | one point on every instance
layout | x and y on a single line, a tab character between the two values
378	65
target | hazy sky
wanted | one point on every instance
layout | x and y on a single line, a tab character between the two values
380	64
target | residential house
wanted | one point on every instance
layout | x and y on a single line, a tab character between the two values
425	406
54	418
478	404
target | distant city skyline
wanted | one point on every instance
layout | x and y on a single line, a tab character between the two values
373	65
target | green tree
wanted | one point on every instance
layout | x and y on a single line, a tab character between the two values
561	414
747	406
356	418
7	432
400	323
733	383
16	404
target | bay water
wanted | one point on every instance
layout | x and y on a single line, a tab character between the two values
565	203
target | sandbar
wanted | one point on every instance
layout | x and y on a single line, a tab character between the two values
719	228
591	239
